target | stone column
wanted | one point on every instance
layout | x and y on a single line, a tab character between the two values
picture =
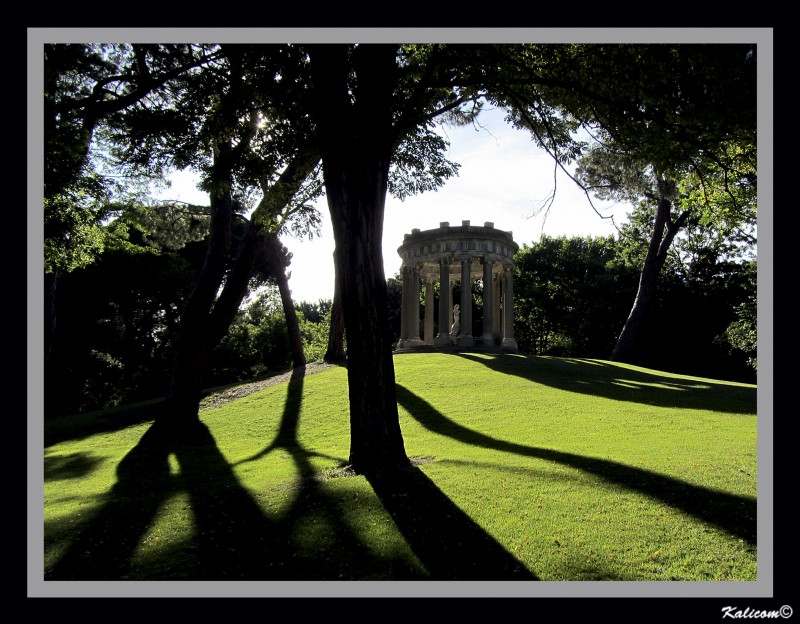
488	304
443	337
413	338
496	318
508	344
503	304
465	338
428	312
403	308
450	300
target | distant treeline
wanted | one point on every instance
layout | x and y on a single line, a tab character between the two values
118	318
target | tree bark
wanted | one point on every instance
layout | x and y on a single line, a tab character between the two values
356	139
664	231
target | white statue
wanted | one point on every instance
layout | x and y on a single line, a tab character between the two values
456	321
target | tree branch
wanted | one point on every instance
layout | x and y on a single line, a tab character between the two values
532	128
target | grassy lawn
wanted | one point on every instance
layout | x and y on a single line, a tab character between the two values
526	468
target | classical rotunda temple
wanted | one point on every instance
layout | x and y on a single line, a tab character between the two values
458	254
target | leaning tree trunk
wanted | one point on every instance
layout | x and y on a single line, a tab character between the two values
664	231
356	144
278	271
626	342
336	353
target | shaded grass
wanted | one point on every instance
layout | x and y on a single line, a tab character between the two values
529	468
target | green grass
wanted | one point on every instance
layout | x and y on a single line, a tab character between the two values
526	468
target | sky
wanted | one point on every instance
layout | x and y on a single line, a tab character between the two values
504	178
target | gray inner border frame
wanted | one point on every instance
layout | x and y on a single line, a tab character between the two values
37	587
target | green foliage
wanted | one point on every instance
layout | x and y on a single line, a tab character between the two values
723	196
693	307
239	98
315	336
256	343
119	316
86	87
705	194
699	159
166	226
569	296
714	196
73	236
314	312
419	165
742	334
619	175
670	105
71	72
258	340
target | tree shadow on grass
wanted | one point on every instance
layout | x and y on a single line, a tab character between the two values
106	542
233	538
604	379
339	553
449	543
72	466
733	514
85	425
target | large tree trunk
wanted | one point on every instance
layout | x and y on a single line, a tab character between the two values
335	353
664	231
194	342
356	144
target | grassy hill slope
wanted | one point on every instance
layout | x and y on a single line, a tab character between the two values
526	468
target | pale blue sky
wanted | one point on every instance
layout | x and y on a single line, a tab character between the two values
503	178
